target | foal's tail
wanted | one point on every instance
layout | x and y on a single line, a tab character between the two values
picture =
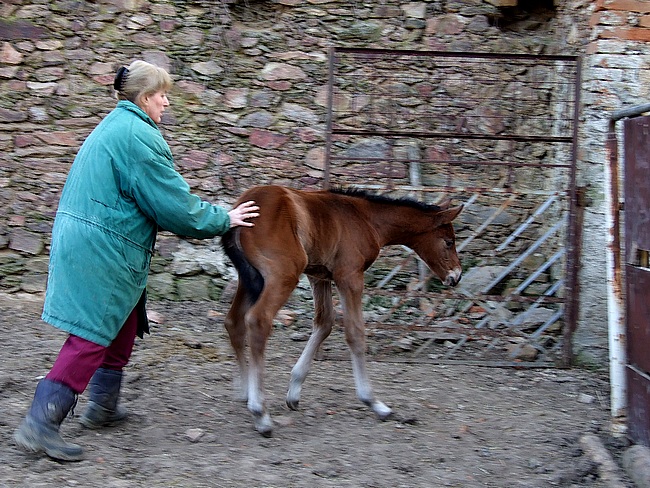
250	278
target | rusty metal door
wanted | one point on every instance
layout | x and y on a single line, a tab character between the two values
637	275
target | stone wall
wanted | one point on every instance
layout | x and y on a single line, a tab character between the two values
616	74
248	104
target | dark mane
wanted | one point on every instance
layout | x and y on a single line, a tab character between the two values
379	198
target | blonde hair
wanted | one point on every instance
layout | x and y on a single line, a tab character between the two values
141	78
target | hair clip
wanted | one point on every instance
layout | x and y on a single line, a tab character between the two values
120	78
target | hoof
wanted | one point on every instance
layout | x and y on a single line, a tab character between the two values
385	416
265	431
264	425
382	411
293	405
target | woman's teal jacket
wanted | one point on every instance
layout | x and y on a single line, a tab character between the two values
122	187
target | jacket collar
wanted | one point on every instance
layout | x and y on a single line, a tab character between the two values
132	107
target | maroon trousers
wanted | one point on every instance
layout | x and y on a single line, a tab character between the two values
79	359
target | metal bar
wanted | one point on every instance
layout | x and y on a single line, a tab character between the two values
454	162
452	295
434	361
538	301
522	316
452	113
525	284
458	345
576	215
554	318
630	112
487	222
415	178
640	372
539	271
455	189
396	269
470	201
523	256
453	54
527	222
329	119
615	300
454	135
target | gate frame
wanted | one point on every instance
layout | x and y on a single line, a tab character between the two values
575	195
616	304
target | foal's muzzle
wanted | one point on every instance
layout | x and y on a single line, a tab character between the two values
453	278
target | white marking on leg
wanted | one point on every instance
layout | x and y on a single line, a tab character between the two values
263	422
240	382
255	395
301	369
364	390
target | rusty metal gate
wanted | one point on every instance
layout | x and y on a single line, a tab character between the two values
637	274
498	134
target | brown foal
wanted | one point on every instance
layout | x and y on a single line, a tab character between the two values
332	237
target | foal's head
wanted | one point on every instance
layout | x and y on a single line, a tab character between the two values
438	246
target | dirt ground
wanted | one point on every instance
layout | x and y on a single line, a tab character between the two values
454	425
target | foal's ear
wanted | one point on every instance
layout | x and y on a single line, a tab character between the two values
444	204
447	216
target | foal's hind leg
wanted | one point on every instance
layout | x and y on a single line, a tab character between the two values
323	322
259	322
234	323
351	290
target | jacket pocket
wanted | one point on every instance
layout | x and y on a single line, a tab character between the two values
137	262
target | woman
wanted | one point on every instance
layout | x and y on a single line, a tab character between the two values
122	187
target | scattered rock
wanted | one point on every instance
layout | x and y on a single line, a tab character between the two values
522	352
194	434
155	317
584	398
299	336
606	468
636	461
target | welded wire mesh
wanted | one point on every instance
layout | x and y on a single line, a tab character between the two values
497	133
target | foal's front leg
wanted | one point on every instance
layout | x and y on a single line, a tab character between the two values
351	291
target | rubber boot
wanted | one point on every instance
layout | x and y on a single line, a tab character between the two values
102	409
39	431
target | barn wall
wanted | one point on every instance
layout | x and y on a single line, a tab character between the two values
248	106
615	75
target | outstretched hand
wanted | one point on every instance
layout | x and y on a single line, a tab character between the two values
241	213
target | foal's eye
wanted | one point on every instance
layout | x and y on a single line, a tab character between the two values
449	243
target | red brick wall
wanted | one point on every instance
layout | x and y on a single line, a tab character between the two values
627	20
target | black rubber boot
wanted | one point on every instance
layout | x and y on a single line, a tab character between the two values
39	431
102	409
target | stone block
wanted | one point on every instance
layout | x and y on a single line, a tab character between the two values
161	286
33	282
503	3
23	240
193	289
